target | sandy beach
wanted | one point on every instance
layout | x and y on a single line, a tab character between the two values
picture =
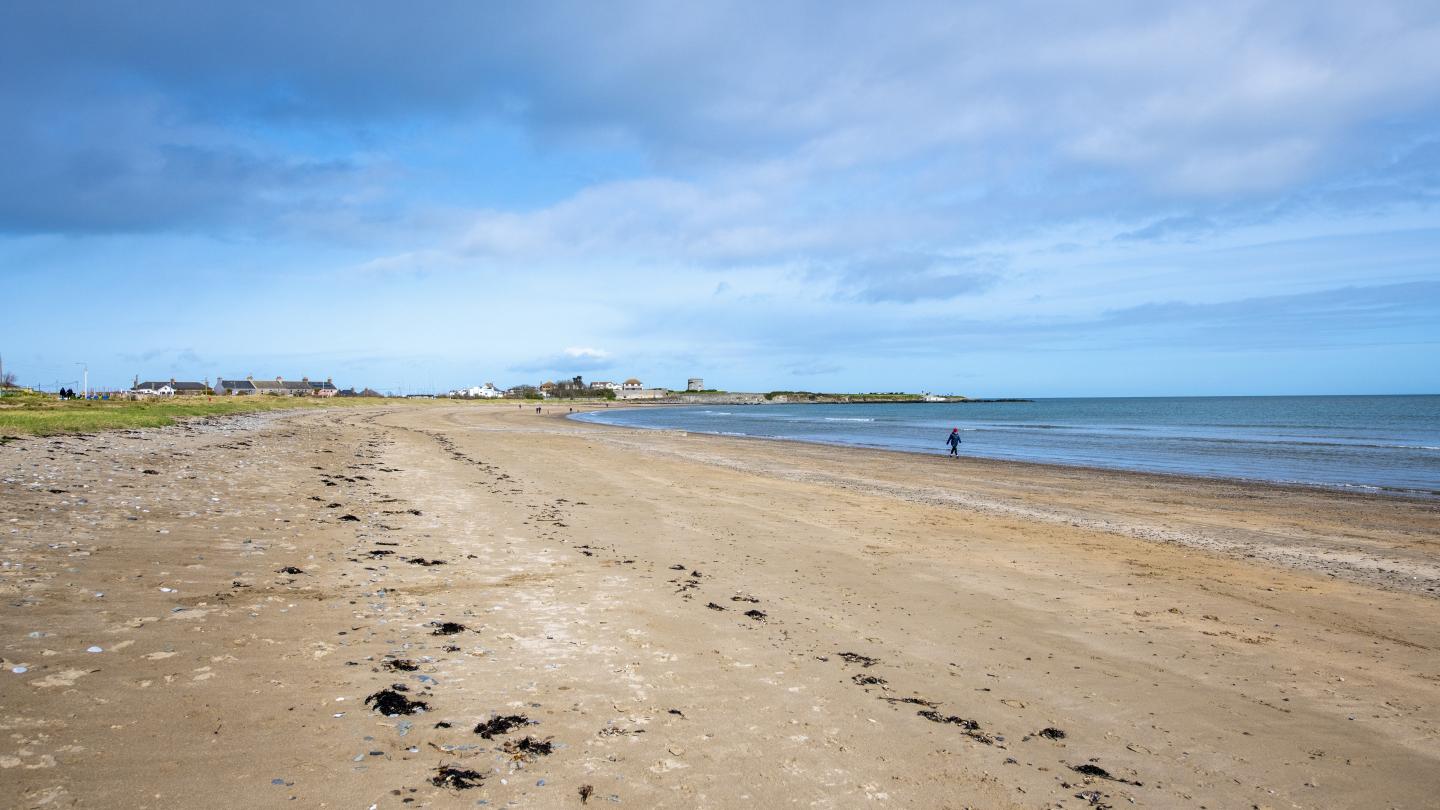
196	616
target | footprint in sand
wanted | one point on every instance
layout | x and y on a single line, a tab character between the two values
64	678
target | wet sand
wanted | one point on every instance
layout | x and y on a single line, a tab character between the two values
691	621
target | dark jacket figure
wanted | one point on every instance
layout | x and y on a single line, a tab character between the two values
954	442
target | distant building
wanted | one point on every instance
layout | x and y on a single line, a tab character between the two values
168	389
571	386
604	386
642	393
547	389
243	387
631	384
486	391
277	387
695	384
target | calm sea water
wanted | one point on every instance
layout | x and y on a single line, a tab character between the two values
1383	443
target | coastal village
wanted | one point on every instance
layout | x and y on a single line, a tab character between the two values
575	388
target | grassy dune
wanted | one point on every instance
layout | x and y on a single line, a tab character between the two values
42	415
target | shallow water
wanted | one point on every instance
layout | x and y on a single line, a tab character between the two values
1383	443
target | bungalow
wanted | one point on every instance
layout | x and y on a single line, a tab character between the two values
168	389
283	388
236	387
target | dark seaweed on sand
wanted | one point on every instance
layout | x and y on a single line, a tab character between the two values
1088	769
757	615
936	717
399	665
914	701
447	628
970	727
868	680
391	703
529	747
453	778
502	724
857	658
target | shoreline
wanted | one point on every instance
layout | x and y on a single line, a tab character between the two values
1062	495
1357	490
688	622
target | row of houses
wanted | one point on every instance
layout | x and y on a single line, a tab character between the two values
550	388
574	387
304	387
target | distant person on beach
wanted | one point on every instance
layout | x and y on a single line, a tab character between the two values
954	442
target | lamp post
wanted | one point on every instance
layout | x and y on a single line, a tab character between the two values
85	386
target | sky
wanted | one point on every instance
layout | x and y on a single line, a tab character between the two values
1012	199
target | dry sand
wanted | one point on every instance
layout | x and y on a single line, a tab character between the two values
1203	644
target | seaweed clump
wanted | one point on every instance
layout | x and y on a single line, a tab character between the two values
453	778
390	703
501	724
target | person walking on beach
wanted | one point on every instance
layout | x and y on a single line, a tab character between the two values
954	442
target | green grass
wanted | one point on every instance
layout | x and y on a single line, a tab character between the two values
44	415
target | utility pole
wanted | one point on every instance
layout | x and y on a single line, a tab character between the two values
85	386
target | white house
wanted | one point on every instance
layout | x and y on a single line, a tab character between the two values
631	384
168	389
486	391
153	389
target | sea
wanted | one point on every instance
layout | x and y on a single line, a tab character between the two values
1386	444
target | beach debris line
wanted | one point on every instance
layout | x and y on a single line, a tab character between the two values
913	701
453	778
391	703
501	724
969	727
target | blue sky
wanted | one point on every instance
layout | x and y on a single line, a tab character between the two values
991	199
